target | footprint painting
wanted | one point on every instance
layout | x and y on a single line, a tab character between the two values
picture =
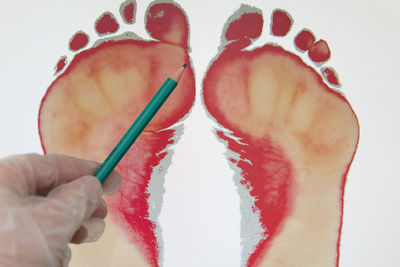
92	103
290	136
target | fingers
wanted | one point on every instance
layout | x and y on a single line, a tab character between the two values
35	174
79	235
67	257
112	184
101	212
71	204
92	228
90	231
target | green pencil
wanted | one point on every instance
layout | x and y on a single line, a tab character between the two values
137	127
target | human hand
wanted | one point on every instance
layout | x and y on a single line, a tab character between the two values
47	202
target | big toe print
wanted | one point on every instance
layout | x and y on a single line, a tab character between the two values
92	103
291	136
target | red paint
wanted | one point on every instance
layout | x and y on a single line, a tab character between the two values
106	24
330	76
266	170
61	64
129	12
247	26
319	52
281	23
239	34
270	172
129	208
78	41
304	40
164	17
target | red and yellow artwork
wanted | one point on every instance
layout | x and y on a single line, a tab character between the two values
289	132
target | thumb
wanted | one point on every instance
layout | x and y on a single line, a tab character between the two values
71	204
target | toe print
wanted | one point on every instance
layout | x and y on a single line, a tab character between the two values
78	41
291	136
318	52
91	104
304	40
127	10
106	24
281	23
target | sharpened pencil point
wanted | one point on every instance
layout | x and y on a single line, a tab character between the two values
178	74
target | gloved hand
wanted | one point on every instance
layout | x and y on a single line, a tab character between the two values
47	202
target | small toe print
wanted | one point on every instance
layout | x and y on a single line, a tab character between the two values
127	10
281	22
78	41
106	24
319	52
330	76
60	64
304	40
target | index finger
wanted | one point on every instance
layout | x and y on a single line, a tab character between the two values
32	174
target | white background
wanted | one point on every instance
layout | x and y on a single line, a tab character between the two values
365	42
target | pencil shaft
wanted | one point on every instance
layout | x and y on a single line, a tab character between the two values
134	131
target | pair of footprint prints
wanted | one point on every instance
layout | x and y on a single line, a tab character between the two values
290	134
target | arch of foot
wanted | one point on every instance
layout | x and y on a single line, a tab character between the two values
297	138
92	103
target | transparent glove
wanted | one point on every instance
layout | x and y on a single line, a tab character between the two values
47	202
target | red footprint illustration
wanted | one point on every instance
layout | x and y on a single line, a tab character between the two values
291	136
92	103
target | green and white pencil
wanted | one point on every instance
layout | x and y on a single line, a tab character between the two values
137	127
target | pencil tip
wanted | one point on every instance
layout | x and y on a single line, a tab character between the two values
184	65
